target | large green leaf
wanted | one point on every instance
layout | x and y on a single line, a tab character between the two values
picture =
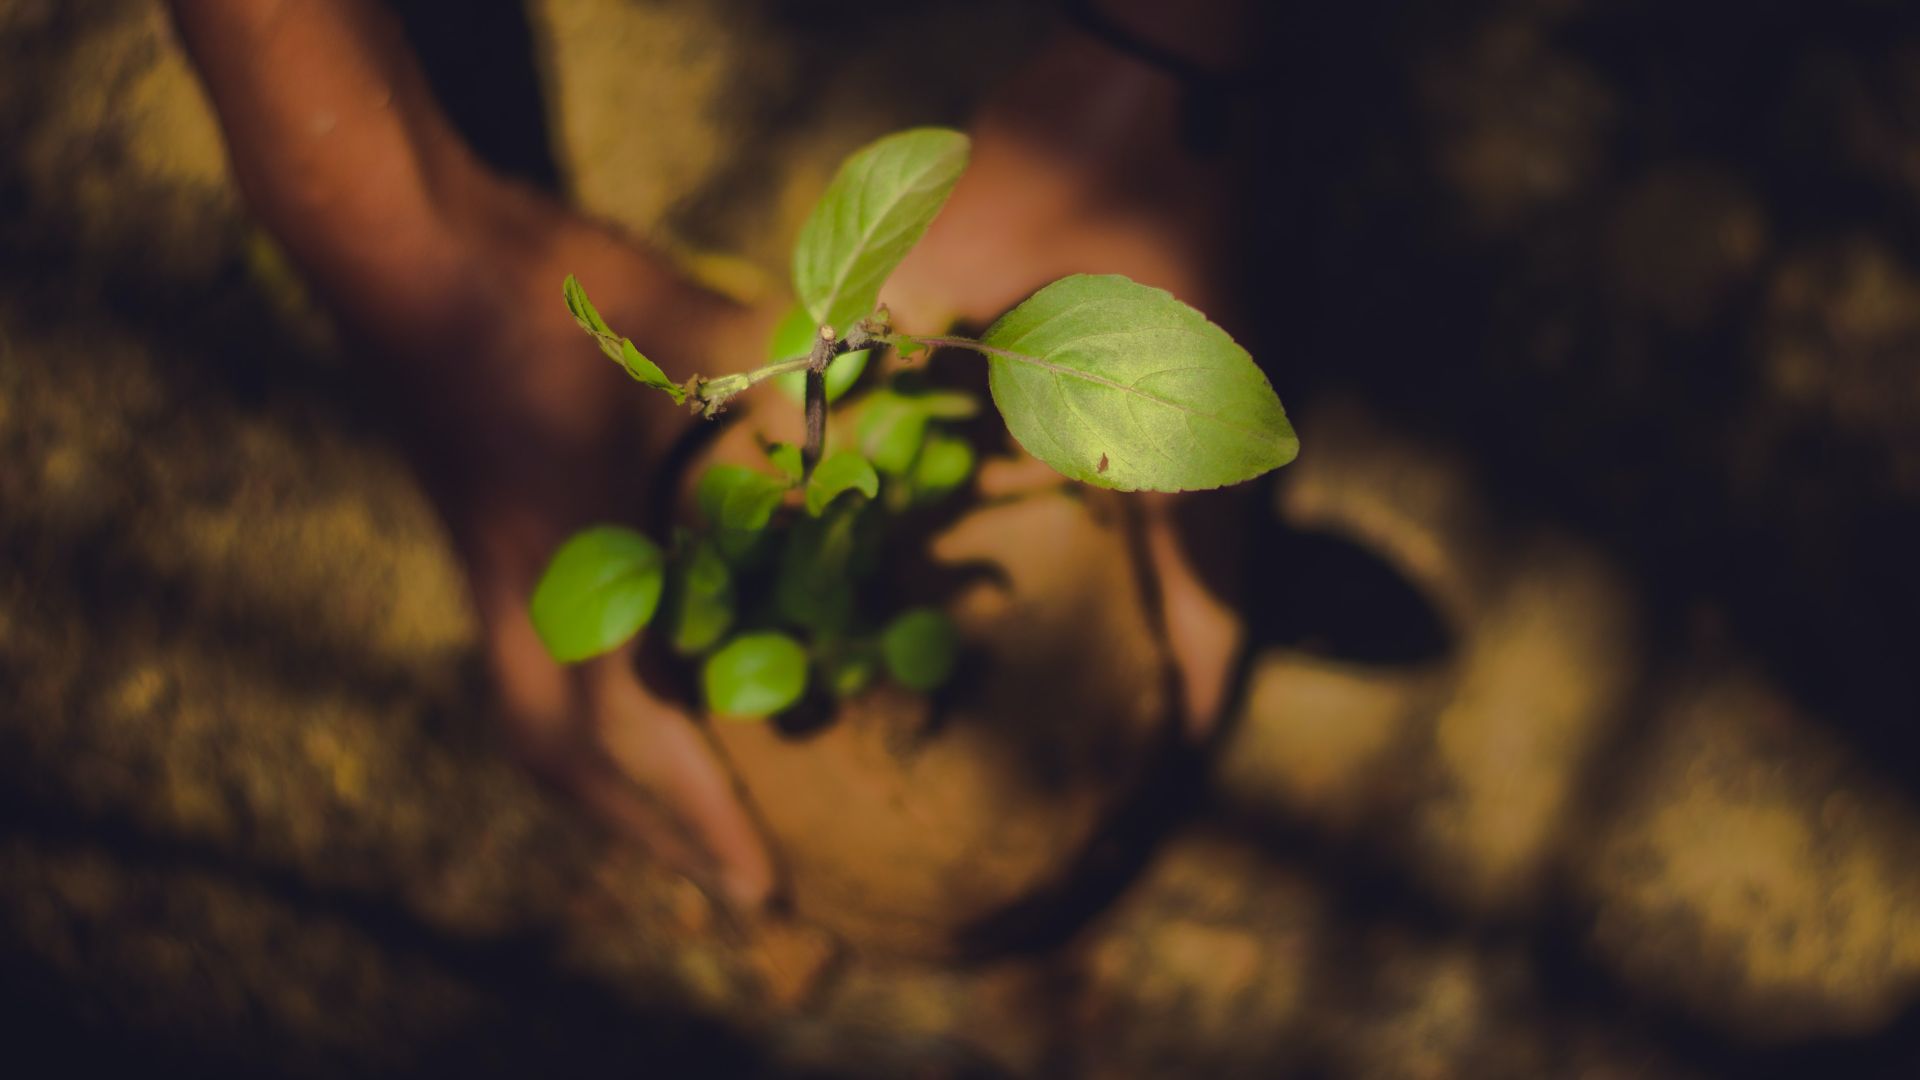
877	207
921	647
618	349
794	337
1123	386
841	472
755	675
602	586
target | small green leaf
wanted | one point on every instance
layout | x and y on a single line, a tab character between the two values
893	425
736	497
921	647
786	458
617	348
848	671
648	372
944	464
794	337
841	472
700	599
1123	386
589	319
812	589
601	587
877	207
755	675
944	404
891	432
738	503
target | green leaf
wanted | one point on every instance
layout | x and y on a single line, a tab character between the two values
701	599
786	458
601	587
738	502
893	425
877	207
588	317
812	589
921	647
1123	386
848	671
736	497
755	675
944	464
794	337
617	348
841	472
891	432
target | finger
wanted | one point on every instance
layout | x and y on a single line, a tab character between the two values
1203	633
637	765
662	754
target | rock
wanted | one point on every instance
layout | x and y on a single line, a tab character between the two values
1466	767
1755	872
1207	968
1518	125
1683	240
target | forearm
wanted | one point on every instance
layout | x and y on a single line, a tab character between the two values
338	147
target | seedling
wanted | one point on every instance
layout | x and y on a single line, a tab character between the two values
1110	382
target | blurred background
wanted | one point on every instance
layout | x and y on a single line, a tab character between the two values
1578	736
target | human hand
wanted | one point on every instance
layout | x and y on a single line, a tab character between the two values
1078	167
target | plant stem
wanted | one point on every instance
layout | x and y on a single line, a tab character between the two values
896	340
816	422
825	347
709	395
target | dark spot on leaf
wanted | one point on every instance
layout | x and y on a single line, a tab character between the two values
1103	463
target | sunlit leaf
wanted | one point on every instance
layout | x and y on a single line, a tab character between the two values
617	348
1123	386
600	588
755	675
921	647
841	472
877	207
794	337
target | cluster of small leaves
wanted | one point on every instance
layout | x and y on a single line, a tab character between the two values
766	589
791	556
1110	382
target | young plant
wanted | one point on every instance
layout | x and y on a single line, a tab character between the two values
1110	382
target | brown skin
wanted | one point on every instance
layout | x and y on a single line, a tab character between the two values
449	276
